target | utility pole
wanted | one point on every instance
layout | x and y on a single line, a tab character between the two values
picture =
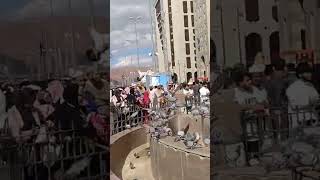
135	21
152	35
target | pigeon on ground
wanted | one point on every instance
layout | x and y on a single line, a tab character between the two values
136	155
131	166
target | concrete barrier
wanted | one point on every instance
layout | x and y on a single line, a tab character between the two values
170	162
121	144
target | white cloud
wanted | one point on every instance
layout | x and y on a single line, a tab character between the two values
121	27
126	61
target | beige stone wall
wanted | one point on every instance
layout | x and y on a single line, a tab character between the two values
171	164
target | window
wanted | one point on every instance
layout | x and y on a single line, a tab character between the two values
195	52
185	7
194	38
303	39
187	48
186	34
252	10
191	5
194	44
172	61
188	62
195	65
275	13
194	31
186	21
192	20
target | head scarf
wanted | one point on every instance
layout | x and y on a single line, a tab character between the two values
55	88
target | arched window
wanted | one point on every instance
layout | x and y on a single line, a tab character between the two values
189	76
274	45
175	78
252	10
195	75
253	46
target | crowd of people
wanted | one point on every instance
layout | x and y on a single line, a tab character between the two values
278	85
31	107
155	97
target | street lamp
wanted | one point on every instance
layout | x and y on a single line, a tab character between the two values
135	20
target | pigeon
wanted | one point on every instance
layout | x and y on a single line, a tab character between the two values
136	155
168	131
134	115
195	112
197	136
131	166
176	139
181	133
152	130
77	167
190	137
186	129
189	144
207	141
128	126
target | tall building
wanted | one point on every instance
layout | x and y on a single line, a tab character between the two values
175	38
202	37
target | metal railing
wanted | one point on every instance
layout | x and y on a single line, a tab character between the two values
63	152
126	118
263	129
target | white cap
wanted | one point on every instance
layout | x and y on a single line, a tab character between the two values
257	68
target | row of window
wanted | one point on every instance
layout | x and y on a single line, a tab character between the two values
173	63
252	11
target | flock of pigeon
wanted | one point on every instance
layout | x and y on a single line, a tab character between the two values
159	127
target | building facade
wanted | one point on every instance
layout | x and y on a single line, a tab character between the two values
202	37
277	28
300	27
175	38
241	29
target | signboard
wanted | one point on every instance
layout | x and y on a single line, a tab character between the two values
159	79
155	80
